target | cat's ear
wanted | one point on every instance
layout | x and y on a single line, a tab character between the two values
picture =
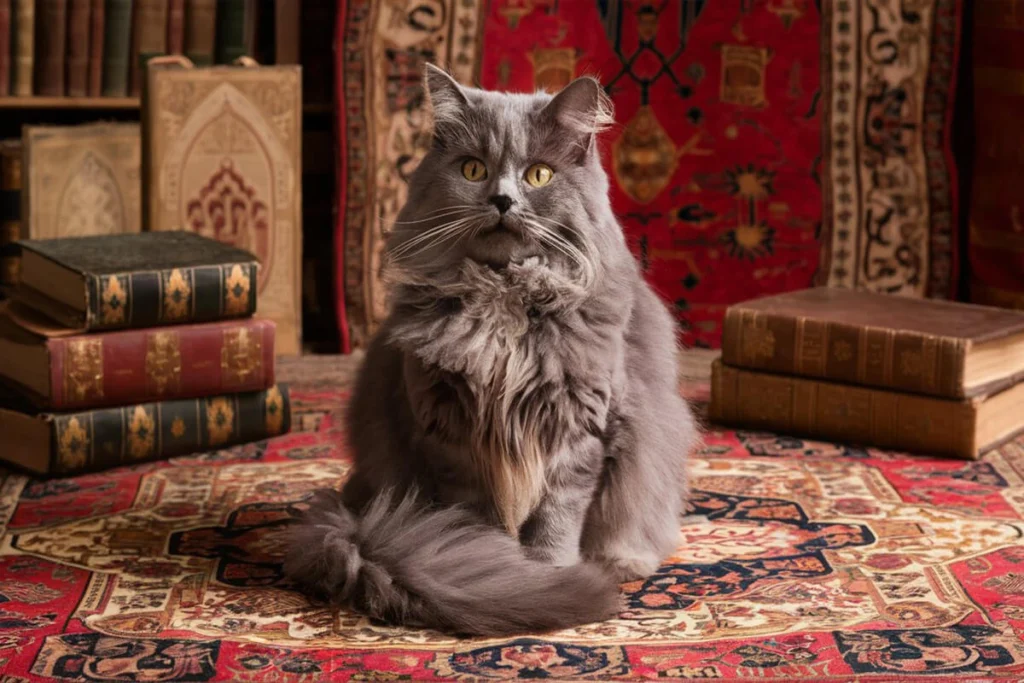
447	98
582	108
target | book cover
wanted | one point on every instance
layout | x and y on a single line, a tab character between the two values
81	180
117	47
77	64
51	42
287	17
870	339
200	31
175	27
70	372
149	39
863	416
23	48
10	210
136	280
221	157
5	47
66	444
97	21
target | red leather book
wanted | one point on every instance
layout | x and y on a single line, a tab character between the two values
51	41
5	47
97	17
133	366
77	73
175	27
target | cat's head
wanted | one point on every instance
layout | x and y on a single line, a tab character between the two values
508	177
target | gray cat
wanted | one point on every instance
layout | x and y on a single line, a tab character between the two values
518	435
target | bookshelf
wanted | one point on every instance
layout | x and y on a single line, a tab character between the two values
269	31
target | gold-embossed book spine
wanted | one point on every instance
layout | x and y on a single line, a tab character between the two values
867	356
160	363
842	413
100	439
171	297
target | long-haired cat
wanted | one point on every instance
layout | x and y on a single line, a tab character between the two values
518	436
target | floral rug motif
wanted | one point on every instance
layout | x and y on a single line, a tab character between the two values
817	561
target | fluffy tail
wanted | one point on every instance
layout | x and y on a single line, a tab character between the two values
440	569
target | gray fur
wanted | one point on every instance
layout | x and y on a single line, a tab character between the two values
521	398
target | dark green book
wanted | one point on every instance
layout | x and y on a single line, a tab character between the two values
231	30
117	47
67	444
130	281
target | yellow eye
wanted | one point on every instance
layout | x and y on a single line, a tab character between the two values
539	175
474	169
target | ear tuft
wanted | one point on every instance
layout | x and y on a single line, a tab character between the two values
446	95
582	106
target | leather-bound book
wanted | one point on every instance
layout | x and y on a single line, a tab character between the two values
117	47
66	444
62	372
287	18
5	47
221	157
200	31
149	39
97	20
131	281
231	30
937	348
77	65
175	27
81	180
10	210
865	416
23	48
51	42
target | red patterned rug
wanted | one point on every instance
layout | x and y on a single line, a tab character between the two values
818	562
761	145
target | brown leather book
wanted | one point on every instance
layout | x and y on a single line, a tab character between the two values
175	27
200	31
937	348
94	85
149	39
51	41
10	210
286	29
23	47
5	47
79	28
864	416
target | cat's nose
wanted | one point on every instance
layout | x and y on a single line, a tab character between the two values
502	201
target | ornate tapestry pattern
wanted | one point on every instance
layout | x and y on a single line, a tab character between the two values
760	146
816	562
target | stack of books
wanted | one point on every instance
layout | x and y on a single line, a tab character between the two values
933	377
120	349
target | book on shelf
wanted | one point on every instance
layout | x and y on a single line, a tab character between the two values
23	47
149	39
70	443
867	416
937	348
10	211
77	62
6	31
175	27
117	47
97	21
81	180
58	371
221	150
233	17
131	281
200	31
51	42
